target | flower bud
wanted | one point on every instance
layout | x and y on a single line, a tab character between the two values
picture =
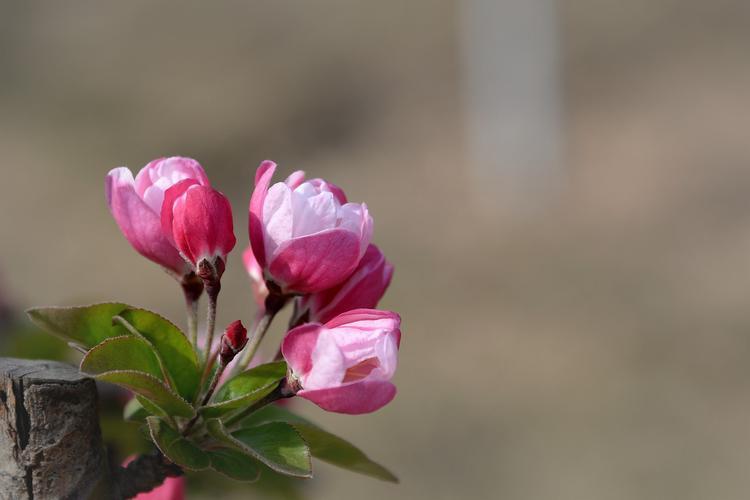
136	205
232	342
304	234
198	220
346	364
362	290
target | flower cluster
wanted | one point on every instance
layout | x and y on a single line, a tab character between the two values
309	246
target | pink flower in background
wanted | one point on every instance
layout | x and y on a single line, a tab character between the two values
136	205
346	365
198	220
304	234
173	488
258	284
363	289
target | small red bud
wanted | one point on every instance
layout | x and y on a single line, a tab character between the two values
233	341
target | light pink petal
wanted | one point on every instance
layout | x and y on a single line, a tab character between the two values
313	263
298	345
313	213
362	317
295	179
255	222
140	225
260	292
360	397
322	185
278	217
328	363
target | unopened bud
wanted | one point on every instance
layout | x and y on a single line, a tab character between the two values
232	342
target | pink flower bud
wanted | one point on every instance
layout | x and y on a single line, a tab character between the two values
233	341
198	220
346	365
258	284
136	206
362	290
304	233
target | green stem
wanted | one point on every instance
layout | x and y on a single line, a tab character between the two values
213	294
261	327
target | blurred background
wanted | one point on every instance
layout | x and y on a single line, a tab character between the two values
563	187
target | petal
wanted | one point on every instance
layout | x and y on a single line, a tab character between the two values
313	263
365	317
295	179
328	363
360	397
202	226
140	225
313	214
298	345
255	222
170	196
363	289
278	218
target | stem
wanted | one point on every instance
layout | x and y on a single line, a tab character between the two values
259	331
213	294
192	288
207	396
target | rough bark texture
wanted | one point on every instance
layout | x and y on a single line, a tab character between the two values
50	442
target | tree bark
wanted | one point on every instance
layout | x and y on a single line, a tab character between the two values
50	441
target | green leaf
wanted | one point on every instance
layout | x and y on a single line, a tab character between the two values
276	444
323	445
150	407
341	453
151	388
234	464
245	389
85	325
175	447
122	353
172	347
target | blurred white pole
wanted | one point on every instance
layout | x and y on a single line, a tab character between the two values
512	97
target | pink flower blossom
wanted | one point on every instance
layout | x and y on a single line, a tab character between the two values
346	365
173	488
363	289
136	205
198	220
304	234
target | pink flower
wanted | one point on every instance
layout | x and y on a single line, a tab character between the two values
363	289
173	488
136	206
304	233
198	220
346	365
258	284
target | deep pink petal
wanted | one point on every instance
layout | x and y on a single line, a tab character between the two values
140	224
363	289
357	315
173	488
202	225
360	397
298	346
170	196
313	263
263	177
